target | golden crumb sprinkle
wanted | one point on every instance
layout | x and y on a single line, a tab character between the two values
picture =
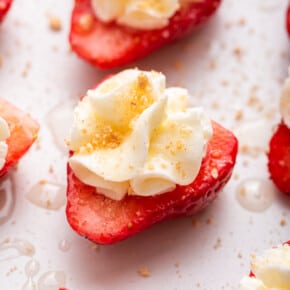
237	52
217	244
55	23
42	182
239	115
196	223
144	272
283	222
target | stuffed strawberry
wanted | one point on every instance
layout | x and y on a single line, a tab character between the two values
279	158
113	33
279	149
270	270
139	156
4	7
17	133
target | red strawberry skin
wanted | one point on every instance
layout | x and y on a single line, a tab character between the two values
4	7
111	45
279	158
23	132
288	19
106	221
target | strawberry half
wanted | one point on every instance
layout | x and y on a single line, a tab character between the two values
279	158
111	45
106	221
253	275
4	7
23	132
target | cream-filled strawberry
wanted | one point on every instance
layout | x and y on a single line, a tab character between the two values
132	134
113	33
18	131
279	147
144	14
139	155
269	271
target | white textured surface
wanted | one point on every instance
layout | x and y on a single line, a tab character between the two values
240	57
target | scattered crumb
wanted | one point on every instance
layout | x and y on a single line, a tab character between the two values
283	222
195	223
240	256
55	23
42	182
212	64
253	256
215	105
144	272
237	52
253	101
178	65
242	22
239	115
224	83
236	176
26	69
217	244
95	247
209	221
50	169
11	270
245	163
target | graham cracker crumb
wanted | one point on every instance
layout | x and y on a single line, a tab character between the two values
55	23
178	65
217	244
144	272
239	115
283	222
212	64
195	223
237	52
42	181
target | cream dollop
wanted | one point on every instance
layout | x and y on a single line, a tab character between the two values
285	101
271	270
132	135
142	14
4	134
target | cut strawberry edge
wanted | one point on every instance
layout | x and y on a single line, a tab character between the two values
279	158
288	19
106	221
23	132
253	275
111	45
4	7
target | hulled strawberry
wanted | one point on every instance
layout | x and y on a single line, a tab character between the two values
279	158
113	33
140	155
18	132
